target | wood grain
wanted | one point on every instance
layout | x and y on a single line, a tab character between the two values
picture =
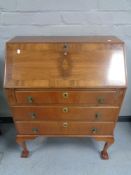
65	87
89	97
85	65
74	113
57	128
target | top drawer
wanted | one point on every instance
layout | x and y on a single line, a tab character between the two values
90	97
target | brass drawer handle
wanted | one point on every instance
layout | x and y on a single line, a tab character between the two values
101	100
65	94
30	99
65	124
65	109
98	115
33	115
35	130
94	130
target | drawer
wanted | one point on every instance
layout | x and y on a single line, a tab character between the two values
68	97
65	128
52	113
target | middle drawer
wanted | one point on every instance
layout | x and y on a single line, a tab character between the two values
52	113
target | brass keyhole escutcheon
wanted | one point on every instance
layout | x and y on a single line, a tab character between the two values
35	130
65	49
65	94
101	100
65	125
97	115
65	109
30	99
94	130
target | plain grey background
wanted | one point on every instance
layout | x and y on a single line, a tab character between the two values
66	17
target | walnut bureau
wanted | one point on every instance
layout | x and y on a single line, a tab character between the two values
65	86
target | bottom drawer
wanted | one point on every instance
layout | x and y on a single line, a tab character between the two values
65	128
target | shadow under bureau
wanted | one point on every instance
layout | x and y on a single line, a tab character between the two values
65	86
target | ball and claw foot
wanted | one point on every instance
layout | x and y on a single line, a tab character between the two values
104	155
25	154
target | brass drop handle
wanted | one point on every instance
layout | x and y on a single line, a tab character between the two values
97	115
35	130
65	94
101	100
65	49
30	99
65	109
94	130
33	115
65	124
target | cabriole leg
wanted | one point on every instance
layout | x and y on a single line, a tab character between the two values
108	142
104	153
25	152
21	140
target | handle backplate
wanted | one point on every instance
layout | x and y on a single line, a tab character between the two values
98	115
35	130
30	99
65	124
33	115
101	100
94	130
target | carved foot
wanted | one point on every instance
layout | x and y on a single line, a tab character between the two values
104	153
21	140
25	154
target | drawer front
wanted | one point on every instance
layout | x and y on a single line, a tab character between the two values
65	128
68	97
52	113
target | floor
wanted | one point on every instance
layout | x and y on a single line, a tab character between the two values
66	156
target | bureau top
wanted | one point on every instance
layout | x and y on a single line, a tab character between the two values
57	39
65	62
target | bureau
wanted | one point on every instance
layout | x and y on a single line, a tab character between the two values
65	86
